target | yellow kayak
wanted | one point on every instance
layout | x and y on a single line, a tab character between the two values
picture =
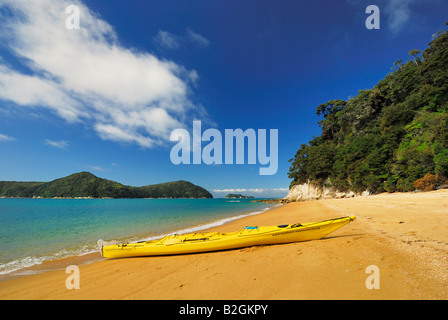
215	241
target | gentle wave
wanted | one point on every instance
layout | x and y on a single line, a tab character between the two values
20	264
216	223
27	262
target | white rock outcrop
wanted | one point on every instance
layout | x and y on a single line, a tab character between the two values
309	191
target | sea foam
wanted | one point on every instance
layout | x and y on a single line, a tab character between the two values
30	261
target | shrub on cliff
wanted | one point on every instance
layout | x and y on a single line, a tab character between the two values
429	182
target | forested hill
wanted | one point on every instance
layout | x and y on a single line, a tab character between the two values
85	184
393	137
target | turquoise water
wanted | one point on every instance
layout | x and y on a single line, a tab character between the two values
36	230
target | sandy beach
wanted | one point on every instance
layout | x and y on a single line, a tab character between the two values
405	235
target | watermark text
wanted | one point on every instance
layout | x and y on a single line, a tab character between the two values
234	147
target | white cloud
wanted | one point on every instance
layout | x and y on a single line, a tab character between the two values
87	75
28	90
399	13
61	144
197	38
95	168
172	41
4	137
404	15
167	39
115	133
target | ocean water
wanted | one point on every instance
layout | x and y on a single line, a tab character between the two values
36	230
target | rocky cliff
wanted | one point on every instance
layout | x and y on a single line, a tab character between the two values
309	191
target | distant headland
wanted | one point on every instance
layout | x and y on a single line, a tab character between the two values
238	196
87	185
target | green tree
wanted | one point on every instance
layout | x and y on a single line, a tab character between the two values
387	137
414	53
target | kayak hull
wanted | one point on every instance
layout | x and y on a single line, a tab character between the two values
216	241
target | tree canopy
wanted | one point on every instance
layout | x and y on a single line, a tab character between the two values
387	137
85	184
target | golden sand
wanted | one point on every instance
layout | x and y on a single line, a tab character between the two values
404	235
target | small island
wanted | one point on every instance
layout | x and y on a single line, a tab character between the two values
238	196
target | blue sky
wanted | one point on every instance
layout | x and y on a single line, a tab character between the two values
106	97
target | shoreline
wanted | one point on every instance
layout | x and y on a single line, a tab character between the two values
404	235
95	256
91	198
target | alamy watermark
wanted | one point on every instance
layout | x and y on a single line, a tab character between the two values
72	21
373	280
188	147
72	281
373	20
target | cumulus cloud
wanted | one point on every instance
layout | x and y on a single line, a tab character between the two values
87	75
29	90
